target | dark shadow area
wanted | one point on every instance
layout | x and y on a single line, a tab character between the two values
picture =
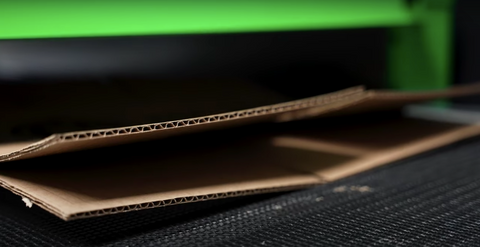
254	56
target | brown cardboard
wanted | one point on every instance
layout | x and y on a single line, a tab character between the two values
133	177
92	185
347	101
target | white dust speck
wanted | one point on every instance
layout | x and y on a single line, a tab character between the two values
27	202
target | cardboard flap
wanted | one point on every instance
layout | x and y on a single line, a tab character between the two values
146	175
154	174
347	101
74	141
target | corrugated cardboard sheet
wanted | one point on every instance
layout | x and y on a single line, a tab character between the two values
152	169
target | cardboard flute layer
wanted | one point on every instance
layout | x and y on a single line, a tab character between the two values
347	101
142	176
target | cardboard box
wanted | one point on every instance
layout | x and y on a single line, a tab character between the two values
99	172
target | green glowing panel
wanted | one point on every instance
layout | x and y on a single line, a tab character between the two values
88	18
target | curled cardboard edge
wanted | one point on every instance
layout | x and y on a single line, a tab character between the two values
350	100
182	200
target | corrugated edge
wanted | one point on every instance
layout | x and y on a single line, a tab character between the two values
153	204
258	111
229	116
30	148
182	200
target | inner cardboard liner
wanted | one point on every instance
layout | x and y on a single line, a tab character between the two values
222	163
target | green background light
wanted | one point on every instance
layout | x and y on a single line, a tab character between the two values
75	18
